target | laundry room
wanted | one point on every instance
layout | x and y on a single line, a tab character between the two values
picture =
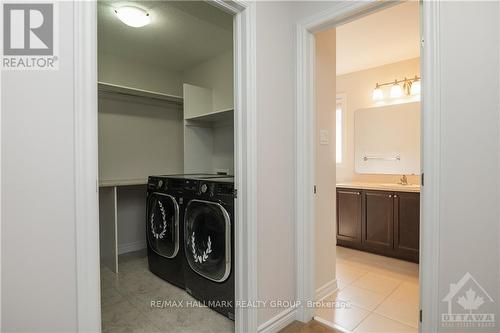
166	166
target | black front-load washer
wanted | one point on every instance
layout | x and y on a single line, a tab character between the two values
209	244
164	224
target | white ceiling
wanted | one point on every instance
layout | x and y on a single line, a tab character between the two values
388	36
181	34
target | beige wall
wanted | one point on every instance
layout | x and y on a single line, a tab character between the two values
325	159
357	88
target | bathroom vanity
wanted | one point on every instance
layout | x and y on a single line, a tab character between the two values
379	218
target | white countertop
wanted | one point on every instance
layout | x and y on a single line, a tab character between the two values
381	186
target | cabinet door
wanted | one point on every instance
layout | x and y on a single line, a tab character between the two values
378	223
407	225
349	217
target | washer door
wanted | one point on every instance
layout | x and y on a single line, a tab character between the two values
207	239
162	224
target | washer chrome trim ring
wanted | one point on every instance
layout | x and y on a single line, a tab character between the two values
227	221
176	225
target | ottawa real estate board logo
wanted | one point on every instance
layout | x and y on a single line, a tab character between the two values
30	36
469	305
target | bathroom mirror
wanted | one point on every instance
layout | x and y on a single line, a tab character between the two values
387	139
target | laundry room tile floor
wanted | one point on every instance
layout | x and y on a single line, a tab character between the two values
380	294
126	303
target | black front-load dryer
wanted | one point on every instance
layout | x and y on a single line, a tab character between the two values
209	244
164	224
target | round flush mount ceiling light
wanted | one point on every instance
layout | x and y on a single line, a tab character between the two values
133	16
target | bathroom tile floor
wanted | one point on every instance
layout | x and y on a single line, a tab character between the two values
126	303
380	294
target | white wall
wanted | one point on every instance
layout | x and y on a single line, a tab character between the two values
38	193
223	153
275	154
357	88
325	239
217	74
117	70
469	187
138	137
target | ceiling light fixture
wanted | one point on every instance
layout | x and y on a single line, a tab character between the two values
133	16
411	87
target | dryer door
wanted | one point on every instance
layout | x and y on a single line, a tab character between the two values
162	224
207	239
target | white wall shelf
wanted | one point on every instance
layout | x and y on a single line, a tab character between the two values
222	116
134	92
123	182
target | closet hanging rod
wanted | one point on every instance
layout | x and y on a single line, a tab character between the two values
134	92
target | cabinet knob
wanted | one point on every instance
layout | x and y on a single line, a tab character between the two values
390	195
357	193
395	195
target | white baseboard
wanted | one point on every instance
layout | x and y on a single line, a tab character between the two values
326	290
278	322
131	247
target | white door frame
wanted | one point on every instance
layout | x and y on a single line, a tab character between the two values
86	153
305	163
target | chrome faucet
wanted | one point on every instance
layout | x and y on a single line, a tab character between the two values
403	180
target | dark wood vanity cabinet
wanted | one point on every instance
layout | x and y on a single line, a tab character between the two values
378	217
407	225
381	222
349	217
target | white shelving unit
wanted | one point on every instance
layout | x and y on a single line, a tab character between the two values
208	133
129	143
208	148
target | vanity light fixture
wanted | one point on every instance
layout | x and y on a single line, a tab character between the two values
396	90
415	86
410	87
133	16
378	94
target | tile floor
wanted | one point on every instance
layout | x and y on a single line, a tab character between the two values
381	294
311	327
126	303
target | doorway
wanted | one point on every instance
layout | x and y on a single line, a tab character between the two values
89	316
307	171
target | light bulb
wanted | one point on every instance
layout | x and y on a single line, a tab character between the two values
378	94
415	88
133	16
396	91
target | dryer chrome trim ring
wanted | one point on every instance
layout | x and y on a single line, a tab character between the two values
227	221
176	225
